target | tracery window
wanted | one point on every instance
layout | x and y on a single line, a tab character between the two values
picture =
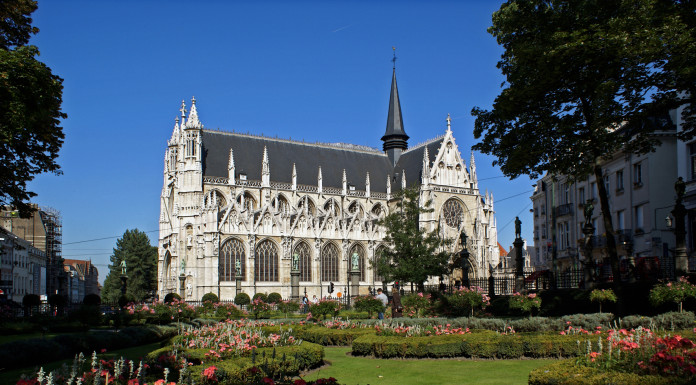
378	210
216	197
453	212
329	262
304	252
249	201
231	252
357	248
354	207
266	262
280	204
331	206
308	202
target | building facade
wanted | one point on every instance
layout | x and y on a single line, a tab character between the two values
22	267
82	279
641	194
43	230
233	199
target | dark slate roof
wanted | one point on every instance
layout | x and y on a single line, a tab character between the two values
395	126
248	154
412	162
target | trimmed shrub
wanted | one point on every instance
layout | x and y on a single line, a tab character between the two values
274	298
666	321
169	298
370	304
92	300
480	344
31	300
262	296
566	372
210	297
242	299
57	300
331	337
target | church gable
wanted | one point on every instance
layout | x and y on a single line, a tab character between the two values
449	168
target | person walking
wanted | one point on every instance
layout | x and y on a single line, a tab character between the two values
382	297
305	304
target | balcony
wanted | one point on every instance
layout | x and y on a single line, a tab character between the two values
565	209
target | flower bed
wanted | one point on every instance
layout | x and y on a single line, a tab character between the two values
654	358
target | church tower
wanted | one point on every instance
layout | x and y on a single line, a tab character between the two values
395	138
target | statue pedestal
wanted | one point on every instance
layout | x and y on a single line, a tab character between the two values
295	284
355	283
124	284
182	287
519	265
588	230
238	284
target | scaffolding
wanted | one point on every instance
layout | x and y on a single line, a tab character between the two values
54	244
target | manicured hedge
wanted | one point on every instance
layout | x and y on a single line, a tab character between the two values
297	358
567	373
480	344
321	335
37	351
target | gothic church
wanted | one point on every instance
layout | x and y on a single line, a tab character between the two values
242	203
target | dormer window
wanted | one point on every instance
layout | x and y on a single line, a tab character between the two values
242	176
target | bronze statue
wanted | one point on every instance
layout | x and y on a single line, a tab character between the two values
123	267
462	239
295	262
589	208
238	268
354	263
518	228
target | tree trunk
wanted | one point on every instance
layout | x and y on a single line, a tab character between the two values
608	226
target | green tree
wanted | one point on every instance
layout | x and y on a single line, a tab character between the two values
30	107
581	77
141	262
416	254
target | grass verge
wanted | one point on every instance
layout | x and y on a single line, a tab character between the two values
350	370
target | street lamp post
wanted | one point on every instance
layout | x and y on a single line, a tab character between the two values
464	254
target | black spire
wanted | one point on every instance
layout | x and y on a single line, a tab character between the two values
395	137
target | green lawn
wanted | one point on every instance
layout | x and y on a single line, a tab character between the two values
359	370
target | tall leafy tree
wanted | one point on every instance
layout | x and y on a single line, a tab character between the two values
30	107
581	76
415	253
141	263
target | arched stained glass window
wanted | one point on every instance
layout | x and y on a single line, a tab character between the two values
231	252
329	262
304	252
453	213
266	262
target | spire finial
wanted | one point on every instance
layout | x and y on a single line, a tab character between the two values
193	100
183	109
449	122
394	58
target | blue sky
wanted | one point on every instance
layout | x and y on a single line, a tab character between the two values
312	70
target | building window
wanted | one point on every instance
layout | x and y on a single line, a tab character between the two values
606	183
593	187
567	233
566	193
619	180
357	248
329	263
692	156
452	212
266	262
543	231
304	252
637	175
231	252
620	220
639	218
581	195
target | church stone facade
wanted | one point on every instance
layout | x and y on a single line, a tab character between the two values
236	200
